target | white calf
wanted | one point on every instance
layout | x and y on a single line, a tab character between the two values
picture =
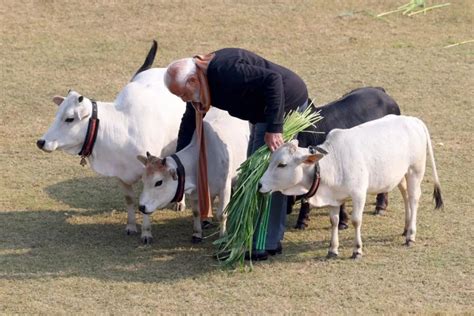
370	158
226	143
144	116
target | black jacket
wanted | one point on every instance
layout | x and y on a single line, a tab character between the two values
248	87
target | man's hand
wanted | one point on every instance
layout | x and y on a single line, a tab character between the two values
273	140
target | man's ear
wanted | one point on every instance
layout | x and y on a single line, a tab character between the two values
58	99
142	159
193	80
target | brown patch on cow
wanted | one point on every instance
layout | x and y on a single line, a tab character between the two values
154	164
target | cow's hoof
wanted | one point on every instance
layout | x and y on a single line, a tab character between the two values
404	234
131	230
179	206
301	226
147	240
206	224
343	226
331	255
196	240
356	256
379	211
409	243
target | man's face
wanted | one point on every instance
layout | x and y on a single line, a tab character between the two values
190	92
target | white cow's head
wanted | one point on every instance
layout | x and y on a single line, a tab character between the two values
160	182
68	131
289	169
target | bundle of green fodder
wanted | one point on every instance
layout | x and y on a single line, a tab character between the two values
409	8
247	205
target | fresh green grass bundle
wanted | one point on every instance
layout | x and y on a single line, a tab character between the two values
246	203
409	8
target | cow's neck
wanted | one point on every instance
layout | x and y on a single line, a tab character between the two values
113	125
327	182
188	157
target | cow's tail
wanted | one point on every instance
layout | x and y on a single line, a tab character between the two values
148	60
437	188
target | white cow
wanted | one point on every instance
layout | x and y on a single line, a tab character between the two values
144	116
373	157
226	143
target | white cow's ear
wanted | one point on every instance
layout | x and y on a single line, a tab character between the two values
142	159
58	99
313	158
81	112
174	174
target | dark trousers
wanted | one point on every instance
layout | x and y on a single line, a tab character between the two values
277	217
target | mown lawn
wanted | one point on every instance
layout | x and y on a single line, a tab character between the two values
63	248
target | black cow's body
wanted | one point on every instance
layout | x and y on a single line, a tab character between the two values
354	108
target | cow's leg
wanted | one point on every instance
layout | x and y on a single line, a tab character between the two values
290	203
224	198
334	245
129	194
303	217
343	217
381	203
402	186
197	228
358	203
414	193
180	206
147	237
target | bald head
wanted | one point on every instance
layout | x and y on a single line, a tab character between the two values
181	80
179	71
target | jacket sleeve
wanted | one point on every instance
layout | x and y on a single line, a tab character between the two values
270	83
187	127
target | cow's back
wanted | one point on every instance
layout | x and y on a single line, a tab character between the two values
354	108
376	154
231	133
226	141
145	117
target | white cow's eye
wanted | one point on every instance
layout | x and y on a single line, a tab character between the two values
158	183
69	120
281	165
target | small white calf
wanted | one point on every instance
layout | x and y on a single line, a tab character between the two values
370	158
144	116
226	143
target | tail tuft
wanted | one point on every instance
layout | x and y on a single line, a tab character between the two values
437	197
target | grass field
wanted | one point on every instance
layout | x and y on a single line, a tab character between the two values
62	243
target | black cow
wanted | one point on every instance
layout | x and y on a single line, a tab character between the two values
354	108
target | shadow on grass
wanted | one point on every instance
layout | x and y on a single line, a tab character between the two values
41	244
96	193
49	244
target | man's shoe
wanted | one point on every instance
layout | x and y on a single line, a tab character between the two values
257	256
278	250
